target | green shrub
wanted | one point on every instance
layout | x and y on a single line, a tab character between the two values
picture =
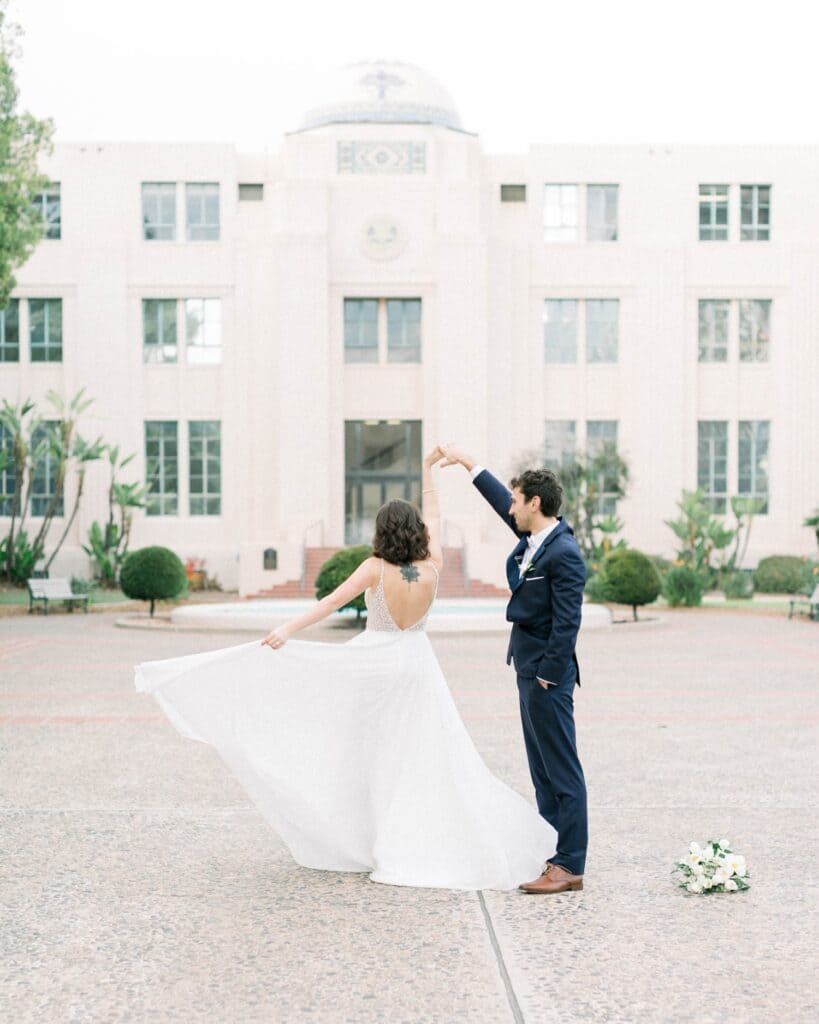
26	556
340	567
152	574
80	585
781	574
629	577
594	589
662	565
683	585
738	585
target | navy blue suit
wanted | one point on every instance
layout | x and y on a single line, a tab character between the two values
544	610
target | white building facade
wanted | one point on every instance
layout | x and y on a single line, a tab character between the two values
279	336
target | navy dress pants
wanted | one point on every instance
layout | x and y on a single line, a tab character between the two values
560	787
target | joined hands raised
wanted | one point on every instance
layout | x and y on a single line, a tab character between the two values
450	454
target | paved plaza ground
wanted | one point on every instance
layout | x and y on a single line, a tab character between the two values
138	883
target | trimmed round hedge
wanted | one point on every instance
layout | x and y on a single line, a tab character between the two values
152	574
340	567
628	576
594	590
781	574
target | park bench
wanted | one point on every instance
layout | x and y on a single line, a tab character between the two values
811	605
53	590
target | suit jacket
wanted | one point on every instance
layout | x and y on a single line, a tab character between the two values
546	601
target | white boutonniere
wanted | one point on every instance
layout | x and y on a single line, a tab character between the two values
528	568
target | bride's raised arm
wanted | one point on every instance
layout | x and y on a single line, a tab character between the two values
364	576
429	507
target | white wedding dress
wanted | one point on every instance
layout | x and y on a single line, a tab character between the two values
356	755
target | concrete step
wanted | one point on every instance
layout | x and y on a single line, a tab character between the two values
452	582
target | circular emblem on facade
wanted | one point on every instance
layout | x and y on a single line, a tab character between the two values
383	239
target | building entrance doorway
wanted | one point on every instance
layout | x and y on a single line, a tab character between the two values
382	462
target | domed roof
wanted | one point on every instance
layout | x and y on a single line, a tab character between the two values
382	92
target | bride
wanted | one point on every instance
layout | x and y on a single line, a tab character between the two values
355	753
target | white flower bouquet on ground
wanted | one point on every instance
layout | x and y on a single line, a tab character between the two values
712	868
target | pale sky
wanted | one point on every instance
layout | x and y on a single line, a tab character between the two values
243	71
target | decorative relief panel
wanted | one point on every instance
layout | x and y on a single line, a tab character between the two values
383	238
388	157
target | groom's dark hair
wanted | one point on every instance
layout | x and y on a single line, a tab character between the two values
543	484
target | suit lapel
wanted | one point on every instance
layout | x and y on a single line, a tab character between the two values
560	528
513	563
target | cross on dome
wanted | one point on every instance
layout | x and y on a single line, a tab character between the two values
383	92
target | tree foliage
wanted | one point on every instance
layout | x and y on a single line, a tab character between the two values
628	576
29	443
23	140
701	534
587	478
108	543
153	574
337	569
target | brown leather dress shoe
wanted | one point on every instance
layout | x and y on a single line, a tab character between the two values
554	879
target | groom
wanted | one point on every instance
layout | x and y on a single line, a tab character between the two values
546	576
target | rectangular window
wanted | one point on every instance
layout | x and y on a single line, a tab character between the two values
251	192
755	213
713	213
559	445
203	331
361	330
45	464
513	193
560	330
45	322
601	440
712	462
383	462
159	210
47	204
602	318
202	211
754	438
159	330
754	330
7	471
161	468
205	467
403	330
10	332
601	213
560	213
712	328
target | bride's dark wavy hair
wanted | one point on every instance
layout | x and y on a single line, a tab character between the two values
400	533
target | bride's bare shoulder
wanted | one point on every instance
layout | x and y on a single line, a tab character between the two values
370	568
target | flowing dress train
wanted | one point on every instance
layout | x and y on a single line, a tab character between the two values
356	755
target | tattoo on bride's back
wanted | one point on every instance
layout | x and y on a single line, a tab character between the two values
409	573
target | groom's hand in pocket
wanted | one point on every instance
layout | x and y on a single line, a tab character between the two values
544	683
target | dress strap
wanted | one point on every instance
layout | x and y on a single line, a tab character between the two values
437	581
381	579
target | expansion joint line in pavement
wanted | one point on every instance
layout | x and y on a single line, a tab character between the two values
514	1005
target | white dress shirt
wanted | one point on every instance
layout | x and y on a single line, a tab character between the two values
533	543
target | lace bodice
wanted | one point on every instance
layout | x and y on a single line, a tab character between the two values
378	614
